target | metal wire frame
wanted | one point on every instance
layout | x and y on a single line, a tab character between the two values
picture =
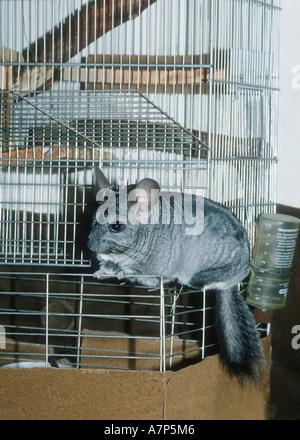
210	65
151	46
45	319
226	92
52	140
244	108
73	321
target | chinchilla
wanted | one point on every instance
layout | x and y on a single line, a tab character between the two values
154	236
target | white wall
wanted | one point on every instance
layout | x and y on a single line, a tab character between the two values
288	184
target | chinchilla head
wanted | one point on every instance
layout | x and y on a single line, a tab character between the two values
111	238
122	222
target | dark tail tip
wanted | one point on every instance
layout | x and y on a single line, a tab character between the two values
241	351
247	371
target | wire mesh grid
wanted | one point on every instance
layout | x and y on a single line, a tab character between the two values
210	65
71	321
245	88
50	144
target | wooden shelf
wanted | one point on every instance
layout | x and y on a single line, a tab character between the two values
148	74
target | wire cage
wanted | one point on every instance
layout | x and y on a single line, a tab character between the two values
64	320
183	91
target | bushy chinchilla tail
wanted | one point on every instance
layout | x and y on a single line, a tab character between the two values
240	348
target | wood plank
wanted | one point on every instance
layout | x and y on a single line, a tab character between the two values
147	73
14	157
142	79
20	156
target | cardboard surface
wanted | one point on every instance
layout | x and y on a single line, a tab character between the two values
202	391
206	392
51	393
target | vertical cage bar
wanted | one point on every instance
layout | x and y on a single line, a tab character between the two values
173	314
47	320
203	324
162	323
79	328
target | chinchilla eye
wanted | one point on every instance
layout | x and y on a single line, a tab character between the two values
116	227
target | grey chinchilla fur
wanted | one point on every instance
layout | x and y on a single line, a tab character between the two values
217	258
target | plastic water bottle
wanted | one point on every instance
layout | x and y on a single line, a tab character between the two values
272	261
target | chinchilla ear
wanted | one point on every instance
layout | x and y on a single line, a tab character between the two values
101	180
145	194
147	184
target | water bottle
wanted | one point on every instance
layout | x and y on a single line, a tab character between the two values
272	261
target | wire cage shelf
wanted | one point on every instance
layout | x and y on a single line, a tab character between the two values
69	321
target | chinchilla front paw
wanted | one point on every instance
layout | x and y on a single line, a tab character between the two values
100	274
